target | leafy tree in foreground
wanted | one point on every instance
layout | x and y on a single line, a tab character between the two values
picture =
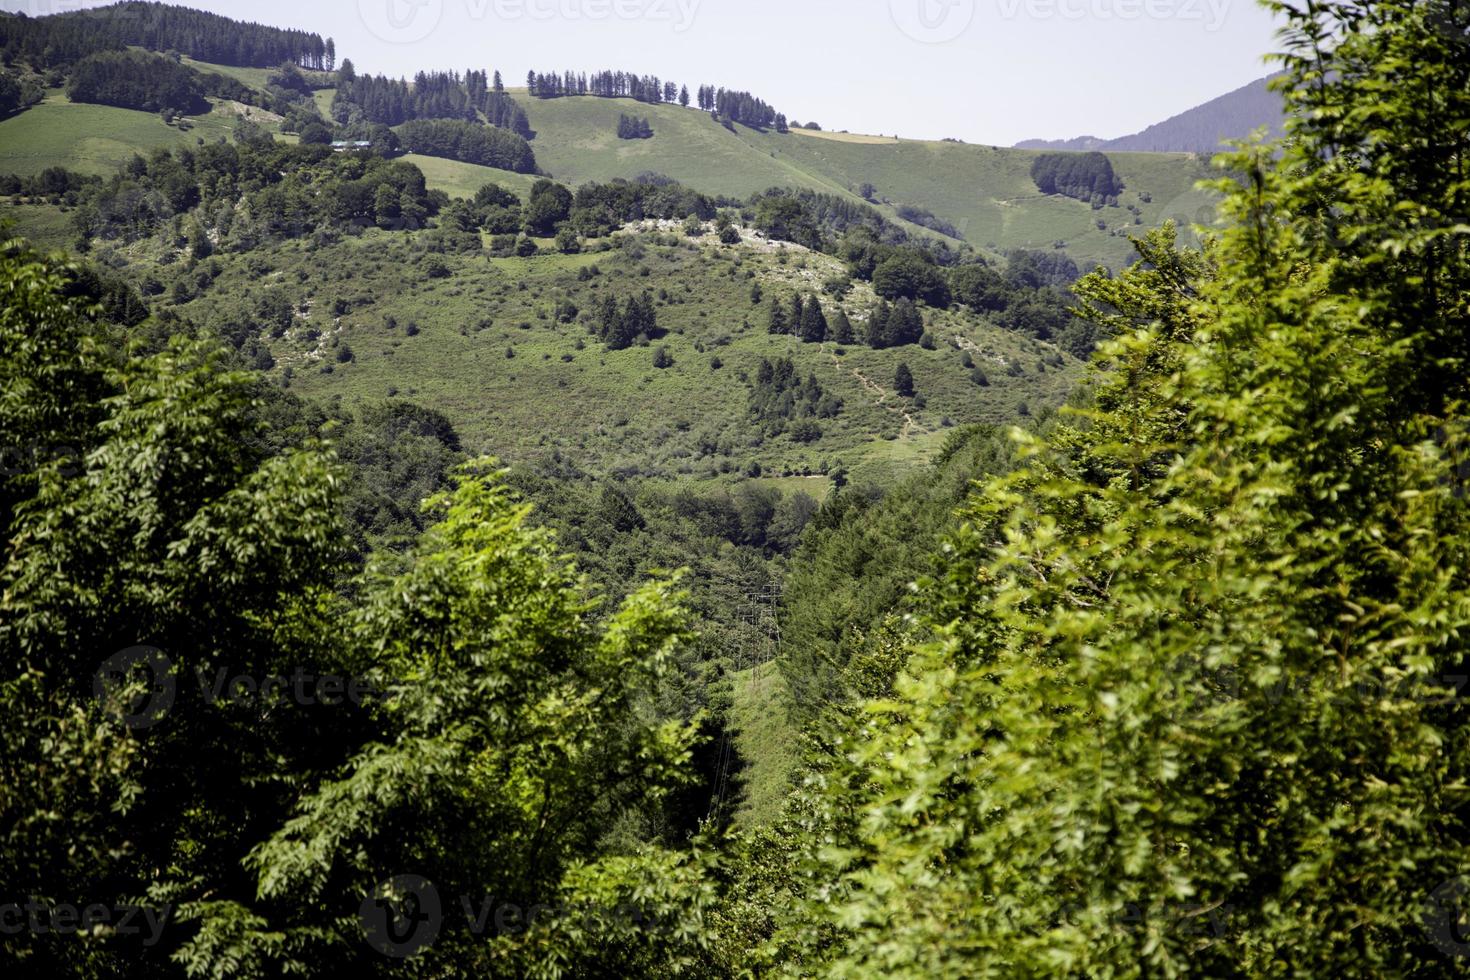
164	526
1191	704
515	732
514	729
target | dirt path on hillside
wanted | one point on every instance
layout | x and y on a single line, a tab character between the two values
881	399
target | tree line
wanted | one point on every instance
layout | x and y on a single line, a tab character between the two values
726	105
603	84
598	209
431	95
888	324
252	191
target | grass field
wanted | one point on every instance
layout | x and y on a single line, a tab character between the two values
989	195
94	139
253	77
44	225
576	140
323	99
463	179
866	139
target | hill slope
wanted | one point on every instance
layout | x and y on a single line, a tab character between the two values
97	139
986	192
487	348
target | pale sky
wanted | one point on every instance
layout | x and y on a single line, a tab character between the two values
986	71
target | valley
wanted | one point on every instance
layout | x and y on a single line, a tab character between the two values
693	543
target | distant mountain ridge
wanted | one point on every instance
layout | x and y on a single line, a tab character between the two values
1202	129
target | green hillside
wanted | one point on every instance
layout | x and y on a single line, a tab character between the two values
96	139
562	393
986	192
576	140
254	77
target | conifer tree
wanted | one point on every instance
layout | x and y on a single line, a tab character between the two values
905	324
903	381
876	334
841	327
813	322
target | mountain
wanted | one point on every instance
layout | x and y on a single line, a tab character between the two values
1079	143
1202	129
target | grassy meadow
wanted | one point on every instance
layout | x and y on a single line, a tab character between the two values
96	139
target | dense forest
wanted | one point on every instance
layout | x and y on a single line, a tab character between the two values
1170	683
136	80
65	38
